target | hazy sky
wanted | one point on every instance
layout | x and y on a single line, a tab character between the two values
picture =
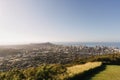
26	21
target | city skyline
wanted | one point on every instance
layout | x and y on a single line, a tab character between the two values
34	21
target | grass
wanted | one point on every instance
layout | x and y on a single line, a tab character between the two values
112	72
79	69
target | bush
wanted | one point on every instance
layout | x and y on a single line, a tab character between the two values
43	72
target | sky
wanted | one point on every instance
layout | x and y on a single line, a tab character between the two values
29	21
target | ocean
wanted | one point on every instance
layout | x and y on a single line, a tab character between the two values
91	44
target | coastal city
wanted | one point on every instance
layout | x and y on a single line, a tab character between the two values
33	55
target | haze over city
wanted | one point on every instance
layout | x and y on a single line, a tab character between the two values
29	21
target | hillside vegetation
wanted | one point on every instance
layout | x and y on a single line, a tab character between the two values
43	72
48	72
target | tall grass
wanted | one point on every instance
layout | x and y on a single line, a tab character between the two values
79	69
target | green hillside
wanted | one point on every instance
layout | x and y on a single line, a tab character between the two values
112	72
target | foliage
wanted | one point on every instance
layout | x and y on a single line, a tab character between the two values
107	58
43	72
112	58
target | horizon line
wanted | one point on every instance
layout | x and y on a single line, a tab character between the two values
7	44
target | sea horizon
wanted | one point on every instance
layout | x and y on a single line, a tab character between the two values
91	44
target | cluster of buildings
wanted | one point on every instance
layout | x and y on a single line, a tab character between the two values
51	54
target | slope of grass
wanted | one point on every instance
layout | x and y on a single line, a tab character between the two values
79	69
112	72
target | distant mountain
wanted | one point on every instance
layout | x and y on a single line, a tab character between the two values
43	44
27	46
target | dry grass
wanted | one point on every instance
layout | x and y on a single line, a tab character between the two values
77	69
